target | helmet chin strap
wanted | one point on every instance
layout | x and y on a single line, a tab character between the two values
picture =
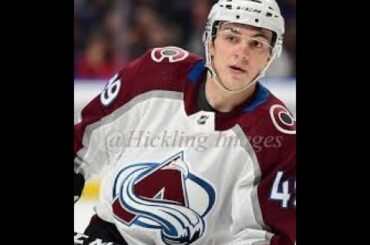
214	75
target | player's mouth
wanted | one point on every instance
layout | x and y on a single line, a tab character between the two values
236	70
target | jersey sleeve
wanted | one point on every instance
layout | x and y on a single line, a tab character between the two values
277	187
274	188
99	135
277	197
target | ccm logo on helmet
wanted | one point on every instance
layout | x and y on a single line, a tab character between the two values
173	54
282	119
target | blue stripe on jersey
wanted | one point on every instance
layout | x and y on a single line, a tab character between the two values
196	71
262	96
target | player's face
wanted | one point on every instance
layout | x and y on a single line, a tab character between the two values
239	53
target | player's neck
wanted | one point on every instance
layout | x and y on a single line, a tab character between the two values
222	100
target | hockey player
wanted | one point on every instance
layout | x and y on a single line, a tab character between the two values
195	151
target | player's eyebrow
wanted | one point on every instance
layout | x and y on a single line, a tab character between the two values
262	34
235	29
231	28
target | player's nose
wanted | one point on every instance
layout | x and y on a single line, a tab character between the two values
243	51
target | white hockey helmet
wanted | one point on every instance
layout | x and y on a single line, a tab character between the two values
258	13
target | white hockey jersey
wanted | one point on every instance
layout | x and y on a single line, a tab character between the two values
179	175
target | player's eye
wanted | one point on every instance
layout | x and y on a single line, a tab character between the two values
258	45
231	37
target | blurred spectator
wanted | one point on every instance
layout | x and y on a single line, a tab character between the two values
143	18
130	27
79	39
290	41
199	13
114	26
288	8
97	62
148	30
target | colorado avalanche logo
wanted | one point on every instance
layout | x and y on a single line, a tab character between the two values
163	196
282	119
173	54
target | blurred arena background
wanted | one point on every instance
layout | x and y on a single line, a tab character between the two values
111	33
